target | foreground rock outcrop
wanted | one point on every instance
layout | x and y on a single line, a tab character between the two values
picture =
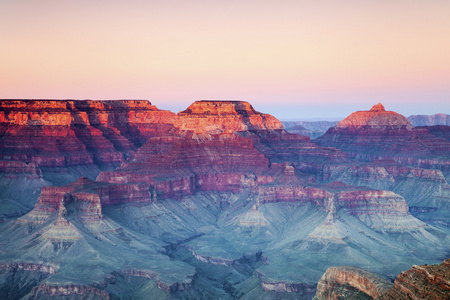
422	282
419	282
350	283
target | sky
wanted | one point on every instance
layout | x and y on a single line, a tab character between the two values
293	59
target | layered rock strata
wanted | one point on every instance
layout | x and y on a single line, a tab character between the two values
58	133
224	116
350	283
430	120
422	282
419	282
313	129
87	198
82	291
13	169
223	162
380	134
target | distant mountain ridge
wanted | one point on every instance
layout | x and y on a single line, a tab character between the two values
430	120
312	129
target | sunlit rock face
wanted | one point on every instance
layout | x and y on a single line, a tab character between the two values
376	117
380	134
224	116
422	282
217	202
350	283
419	282
59	133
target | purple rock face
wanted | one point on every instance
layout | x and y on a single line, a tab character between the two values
217	201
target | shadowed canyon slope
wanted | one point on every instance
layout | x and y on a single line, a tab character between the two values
217	201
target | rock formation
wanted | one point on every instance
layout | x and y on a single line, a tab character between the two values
313	129
58	133
217	201
90	196
422	282
419	282
380	134
433	120
350	283
439	131
376	117
218	163
299	129
224	116
54	142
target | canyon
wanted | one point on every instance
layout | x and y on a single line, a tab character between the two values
118	199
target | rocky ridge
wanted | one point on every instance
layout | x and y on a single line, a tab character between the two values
378	134
430	120
422	282
218	174
67	132
419	282
350	283
224	116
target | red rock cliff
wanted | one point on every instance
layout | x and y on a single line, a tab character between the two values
224	116
59	133
379	134
422	282
350	283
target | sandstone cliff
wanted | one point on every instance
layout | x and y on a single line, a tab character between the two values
422	282
221	182
184	166
380	134
419	282
224	116
350	283
58	133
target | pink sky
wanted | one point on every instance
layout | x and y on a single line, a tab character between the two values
294	59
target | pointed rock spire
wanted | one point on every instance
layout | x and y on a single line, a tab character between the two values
378	107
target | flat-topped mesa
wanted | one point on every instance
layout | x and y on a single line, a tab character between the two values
88	197
85	112
376	117
116	112
224	116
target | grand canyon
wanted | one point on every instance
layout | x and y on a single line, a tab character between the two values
118	199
